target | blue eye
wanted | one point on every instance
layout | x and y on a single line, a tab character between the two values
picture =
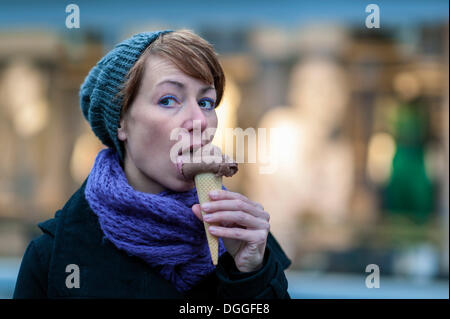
207	103
165	101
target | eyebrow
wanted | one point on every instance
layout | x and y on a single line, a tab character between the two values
182	86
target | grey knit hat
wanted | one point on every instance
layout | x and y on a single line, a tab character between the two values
99	99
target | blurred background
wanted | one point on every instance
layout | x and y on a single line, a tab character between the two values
362	174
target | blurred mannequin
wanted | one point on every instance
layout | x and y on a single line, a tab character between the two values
409	191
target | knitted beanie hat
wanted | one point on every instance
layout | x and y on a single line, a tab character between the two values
99	99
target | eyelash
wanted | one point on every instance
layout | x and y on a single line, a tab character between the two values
167	97
213	103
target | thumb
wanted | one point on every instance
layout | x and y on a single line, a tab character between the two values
197	211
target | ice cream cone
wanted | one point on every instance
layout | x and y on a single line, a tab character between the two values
207	174
206	182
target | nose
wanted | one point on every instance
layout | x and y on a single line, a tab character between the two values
196	119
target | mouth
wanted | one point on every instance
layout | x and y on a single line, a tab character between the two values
186	155
191	149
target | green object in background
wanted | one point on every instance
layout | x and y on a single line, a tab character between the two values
410	191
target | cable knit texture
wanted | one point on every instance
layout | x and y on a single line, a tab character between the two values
159	228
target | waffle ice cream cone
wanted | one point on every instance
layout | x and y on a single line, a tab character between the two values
206	182
207	172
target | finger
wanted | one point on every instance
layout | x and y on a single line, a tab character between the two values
237	218
247	235
223	194
234	205
197	211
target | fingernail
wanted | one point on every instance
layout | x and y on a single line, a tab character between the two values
206	206
206	217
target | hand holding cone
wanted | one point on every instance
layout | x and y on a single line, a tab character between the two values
207	170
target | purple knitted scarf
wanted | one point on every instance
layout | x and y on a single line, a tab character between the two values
159	228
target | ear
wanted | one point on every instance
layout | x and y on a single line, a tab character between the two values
121	130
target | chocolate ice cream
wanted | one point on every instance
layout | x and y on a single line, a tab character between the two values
206	160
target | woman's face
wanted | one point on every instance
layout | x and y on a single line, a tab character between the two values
167	100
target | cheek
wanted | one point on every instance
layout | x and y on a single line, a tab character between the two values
152	137
212	119
146	132
212	125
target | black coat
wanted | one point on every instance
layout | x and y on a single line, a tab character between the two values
74	236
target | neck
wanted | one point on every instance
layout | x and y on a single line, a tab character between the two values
138	180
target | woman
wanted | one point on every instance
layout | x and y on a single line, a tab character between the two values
134	229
